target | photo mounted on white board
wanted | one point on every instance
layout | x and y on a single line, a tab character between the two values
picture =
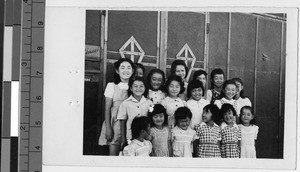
231	68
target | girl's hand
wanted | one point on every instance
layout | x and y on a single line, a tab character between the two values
109	134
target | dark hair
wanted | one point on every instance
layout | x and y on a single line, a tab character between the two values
240	81
194	84
153	71
214	111
253	121
175	78
157	109
198	73
182	113
131	81
227	82
139	124
117	64
225	108
217	71
177	63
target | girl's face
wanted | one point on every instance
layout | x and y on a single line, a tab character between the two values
206	116
197	93
202	78
158	119
184	123
246	116
230	91
125	70
139	72
218	80
174	89
239	87
138	88
180	71
229	117
156	81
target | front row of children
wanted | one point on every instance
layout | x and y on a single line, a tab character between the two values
151	135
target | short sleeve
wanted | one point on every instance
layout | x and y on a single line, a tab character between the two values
218	103
256	132
109	90
128	151
247	102
194	135
122	113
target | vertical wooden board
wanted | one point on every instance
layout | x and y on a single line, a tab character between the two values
242	42
218	40
269	45
92	31
186	27
142	25
267	114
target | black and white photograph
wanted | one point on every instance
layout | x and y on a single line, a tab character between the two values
201	84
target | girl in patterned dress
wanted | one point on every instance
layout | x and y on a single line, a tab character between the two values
174	87
201	75
227	95
139	146
159	131
180	69
182	135
230	133
217	78
209	134
249	132
156	80
115	93
239	97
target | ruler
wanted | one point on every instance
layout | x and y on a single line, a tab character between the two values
31	82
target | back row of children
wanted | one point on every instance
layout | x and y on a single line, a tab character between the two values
207	118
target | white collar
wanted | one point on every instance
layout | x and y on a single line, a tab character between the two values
131	98
224	125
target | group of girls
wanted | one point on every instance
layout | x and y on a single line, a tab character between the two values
174	118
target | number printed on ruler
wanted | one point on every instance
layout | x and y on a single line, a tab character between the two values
32	68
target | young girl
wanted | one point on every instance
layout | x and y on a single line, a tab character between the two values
115	92
230	133
217	77
156	80
139	70
239	97
180	69
209	134
182	135
174	86
227	95
139	146
196	101
201	75
135	105
159	131
249	132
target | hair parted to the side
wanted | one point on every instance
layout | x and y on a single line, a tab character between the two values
241	82
157	109
177	63
117	64
174	78
132	80
253	121
217	71
214	110
198	73
153	71
139	124
194	84
182	113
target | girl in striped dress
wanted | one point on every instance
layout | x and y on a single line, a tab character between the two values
209	134
230	133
